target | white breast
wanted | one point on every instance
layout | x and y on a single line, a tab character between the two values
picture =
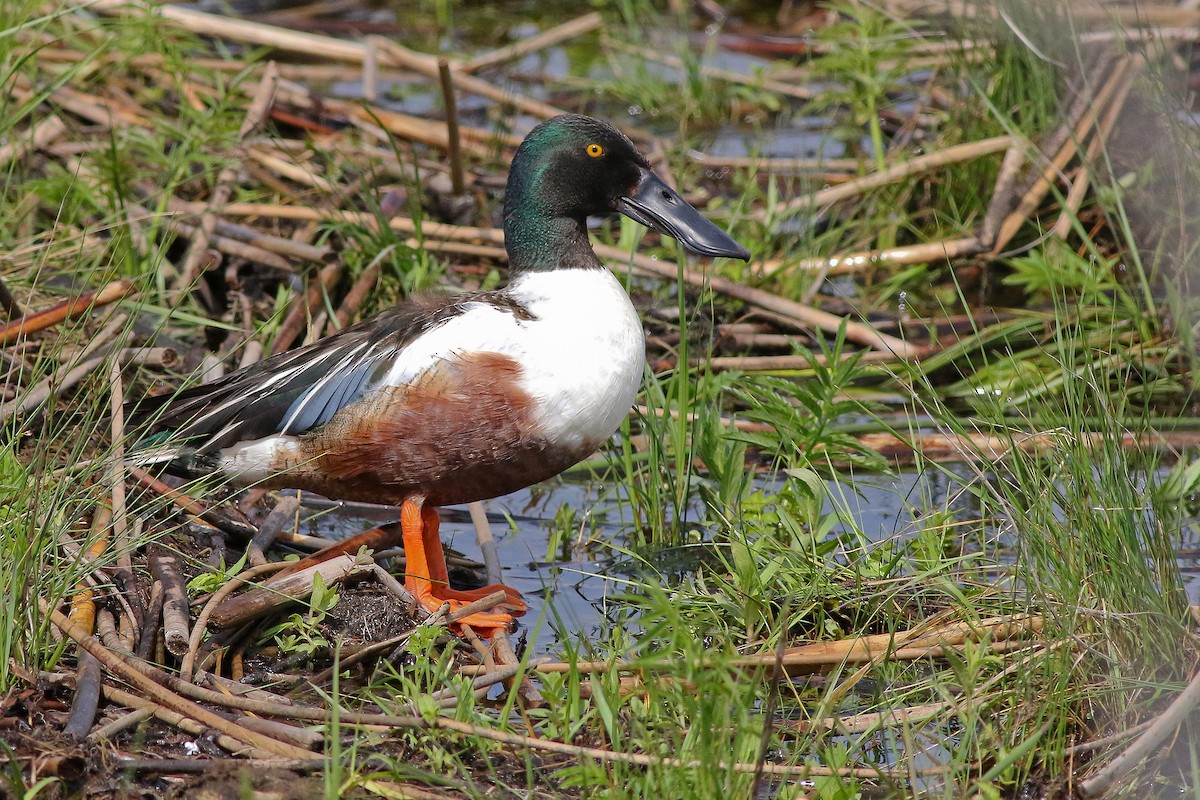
584	353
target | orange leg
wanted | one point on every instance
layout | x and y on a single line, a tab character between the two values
426	576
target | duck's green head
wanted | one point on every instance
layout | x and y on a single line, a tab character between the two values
573	166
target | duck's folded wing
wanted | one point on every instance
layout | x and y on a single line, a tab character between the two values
295	391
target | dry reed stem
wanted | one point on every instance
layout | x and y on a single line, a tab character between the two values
1080	133
540	41
65	310
904	255
1104	128
283	515
188	663
916	643
41	135
257	111
297	585
192	506
426	65
165	567
792	363
139	675
310	45
183	722
104	733
454	149
817	201
1167	723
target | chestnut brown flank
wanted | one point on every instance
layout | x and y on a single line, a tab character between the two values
462	432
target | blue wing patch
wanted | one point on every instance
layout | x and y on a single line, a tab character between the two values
333	392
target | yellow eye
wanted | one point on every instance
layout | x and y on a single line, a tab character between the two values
594	150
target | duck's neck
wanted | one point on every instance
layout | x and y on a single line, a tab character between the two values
537	243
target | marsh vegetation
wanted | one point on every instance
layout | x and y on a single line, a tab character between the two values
973	235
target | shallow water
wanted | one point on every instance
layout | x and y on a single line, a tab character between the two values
568	596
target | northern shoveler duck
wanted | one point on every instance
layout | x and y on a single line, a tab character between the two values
451	398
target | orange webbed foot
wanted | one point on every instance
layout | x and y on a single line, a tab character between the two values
427	580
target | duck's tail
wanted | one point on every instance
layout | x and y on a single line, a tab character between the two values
176	459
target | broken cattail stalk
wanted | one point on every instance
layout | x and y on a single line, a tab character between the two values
303	306
540	41
897	172
165	568
296	586
455	147
282	516
190	505
67	309
255	114
153	615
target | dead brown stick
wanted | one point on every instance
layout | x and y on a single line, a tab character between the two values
67	309
282	516
893	174
70	374
139	675
303	306
1174	716
540	41
187	664
148	356
289	248
844	264
287	589
107	731
227	236
1079	185
120	512
1002	196
914	644
153	616
1079	135
87	698
191	505
454	151
62	380
506	658
427	65
375	539
291	170
358	292
406	126
226	178
164	566
183	722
